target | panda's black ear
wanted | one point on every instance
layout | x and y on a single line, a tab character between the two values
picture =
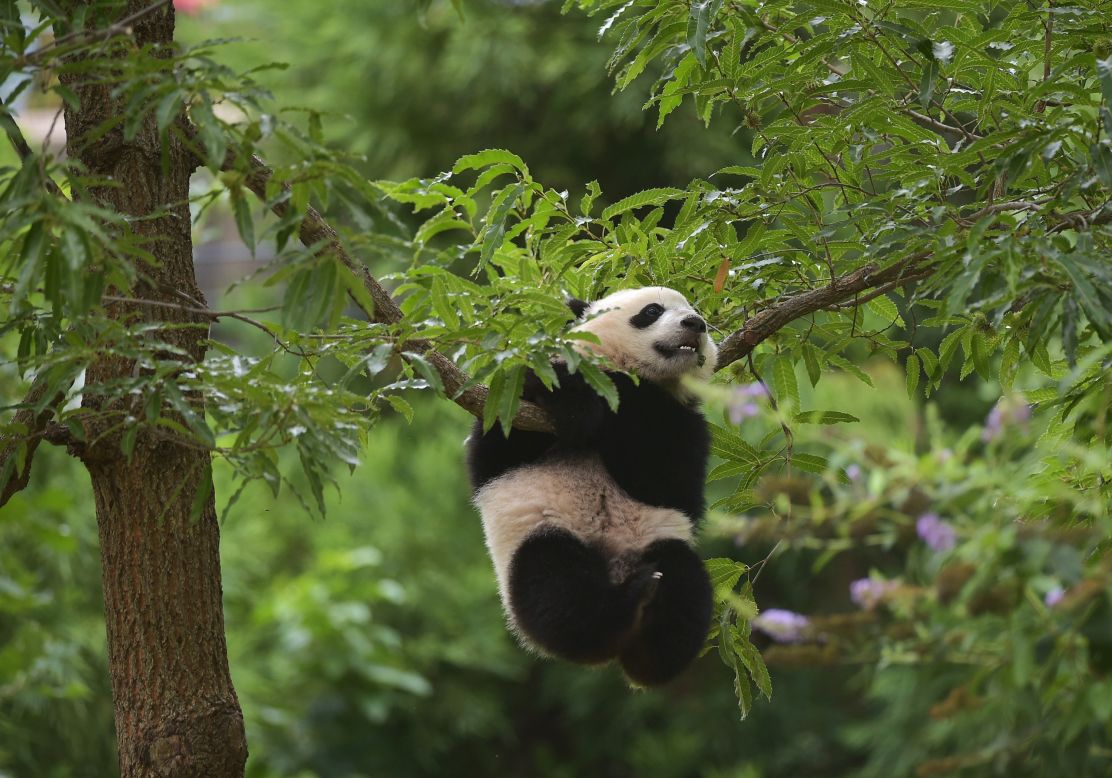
578	307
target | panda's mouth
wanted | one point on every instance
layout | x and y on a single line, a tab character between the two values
682	347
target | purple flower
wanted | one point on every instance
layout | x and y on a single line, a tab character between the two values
1006	413
853	472
783	626
741	405
1054	596
939	535
867	593
738	412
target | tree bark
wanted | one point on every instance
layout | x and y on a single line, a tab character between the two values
176	710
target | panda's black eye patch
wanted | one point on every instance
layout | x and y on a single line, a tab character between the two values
649	314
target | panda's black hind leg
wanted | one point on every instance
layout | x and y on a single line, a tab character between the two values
675	621
563	600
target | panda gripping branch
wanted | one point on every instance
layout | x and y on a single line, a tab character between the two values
590	529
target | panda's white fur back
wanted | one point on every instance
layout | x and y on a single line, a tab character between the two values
576	494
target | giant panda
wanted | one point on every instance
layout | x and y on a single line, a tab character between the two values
590	529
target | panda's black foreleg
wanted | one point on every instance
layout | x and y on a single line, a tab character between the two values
576	409
563	600
675	621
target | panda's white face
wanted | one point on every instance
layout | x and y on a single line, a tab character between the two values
652	331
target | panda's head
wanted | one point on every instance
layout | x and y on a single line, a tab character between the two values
652	331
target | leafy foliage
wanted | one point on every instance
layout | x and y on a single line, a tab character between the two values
926	184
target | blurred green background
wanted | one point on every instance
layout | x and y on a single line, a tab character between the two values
371	643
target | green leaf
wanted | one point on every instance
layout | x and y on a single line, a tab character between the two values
1009	363
702	15
912	375
1102	162
850	368
242	211
885	309
926	84
511	396
647	197
755	664
399	404
600	382
496	217
743	690
490	157
811	362
203	494
784	384
724	573
496	387
812	463
824	417
1086	295
731	446
1104	73
426	370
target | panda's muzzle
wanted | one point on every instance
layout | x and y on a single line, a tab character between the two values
685	344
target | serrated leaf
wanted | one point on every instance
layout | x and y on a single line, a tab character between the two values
702	15
1086	295
600	382
511	396
783	382
242	212
203	494
724	573
495	388
812	463
850	368
743	690
425	370
495	227
647	197
489	157
912	375
825	417
732	447
755	664
1102	163
399	404
1009	361
811	362
885	309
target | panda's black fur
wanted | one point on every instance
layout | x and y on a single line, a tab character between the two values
590	528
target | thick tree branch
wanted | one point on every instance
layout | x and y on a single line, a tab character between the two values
766	323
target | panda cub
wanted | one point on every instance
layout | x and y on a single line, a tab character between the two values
590	529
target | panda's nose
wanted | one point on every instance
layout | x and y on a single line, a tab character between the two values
694	323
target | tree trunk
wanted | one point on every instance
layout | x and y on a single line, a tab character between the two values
175	708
